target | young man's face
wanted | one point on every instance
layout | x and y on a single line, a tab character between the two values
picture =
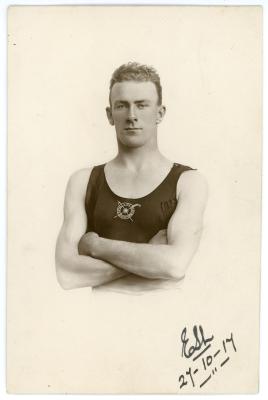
134	112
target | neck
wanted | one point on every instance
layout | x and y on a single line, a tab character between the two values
138	158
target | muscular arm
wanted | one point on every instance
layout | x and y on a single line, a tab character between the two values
161	261
75	270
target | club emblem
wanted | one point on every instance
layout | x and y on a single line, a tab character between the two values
126	210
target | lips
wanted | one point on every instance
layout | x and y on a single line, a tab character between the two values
132	131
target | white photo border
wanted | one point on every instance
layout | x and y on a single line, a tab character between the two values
263	382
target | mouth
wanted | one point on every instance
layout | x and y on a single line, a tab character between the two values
132	129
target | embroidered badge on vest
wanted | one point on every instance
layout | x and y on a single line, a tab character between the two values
126	210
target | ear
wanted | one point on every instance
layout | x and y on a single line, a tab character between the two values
109	115
160	114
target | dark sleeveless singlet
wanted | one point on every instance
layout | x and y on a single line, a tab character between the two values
132	220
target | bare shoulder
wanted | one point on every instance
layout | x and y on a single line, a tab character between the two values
193	184
80	176
78	182
191	179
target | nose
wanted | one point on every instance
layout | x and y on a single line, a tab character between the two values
131	116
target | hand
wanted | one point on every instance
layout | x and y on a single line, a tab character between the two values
159	238
88	244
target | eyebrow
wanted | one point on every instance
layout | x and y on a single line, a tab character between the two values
136	102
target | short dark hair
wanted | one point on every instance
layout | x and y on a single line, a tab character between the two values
133	71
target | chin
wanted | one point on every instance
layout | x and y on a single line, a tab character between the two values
134	145
132	142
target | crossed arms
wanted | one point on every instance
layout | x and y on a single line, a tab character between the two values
89	260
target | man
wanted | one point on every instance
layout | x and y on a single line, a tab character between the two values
136	221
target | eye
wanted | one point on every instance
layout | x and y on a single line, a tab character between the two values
119	106
141	106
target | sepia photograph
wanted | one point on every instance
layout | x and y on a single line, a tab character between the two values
145	238
134	199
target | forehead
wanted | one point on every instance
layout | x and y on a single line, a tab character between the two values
134	91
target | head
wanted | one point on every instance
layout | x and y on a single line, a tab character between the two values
135	103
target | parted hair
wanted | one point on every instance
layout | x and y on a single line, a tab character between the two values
133	71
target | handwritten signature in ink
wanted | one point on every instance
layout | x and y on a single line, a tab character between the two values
200	341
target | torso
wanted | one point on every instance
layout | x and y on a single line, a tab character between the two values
129	208
124	185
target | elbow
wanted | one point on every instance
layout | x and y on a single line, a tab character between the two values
63	276
68	277
62	281
174	270
175	274
178	262
65	285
